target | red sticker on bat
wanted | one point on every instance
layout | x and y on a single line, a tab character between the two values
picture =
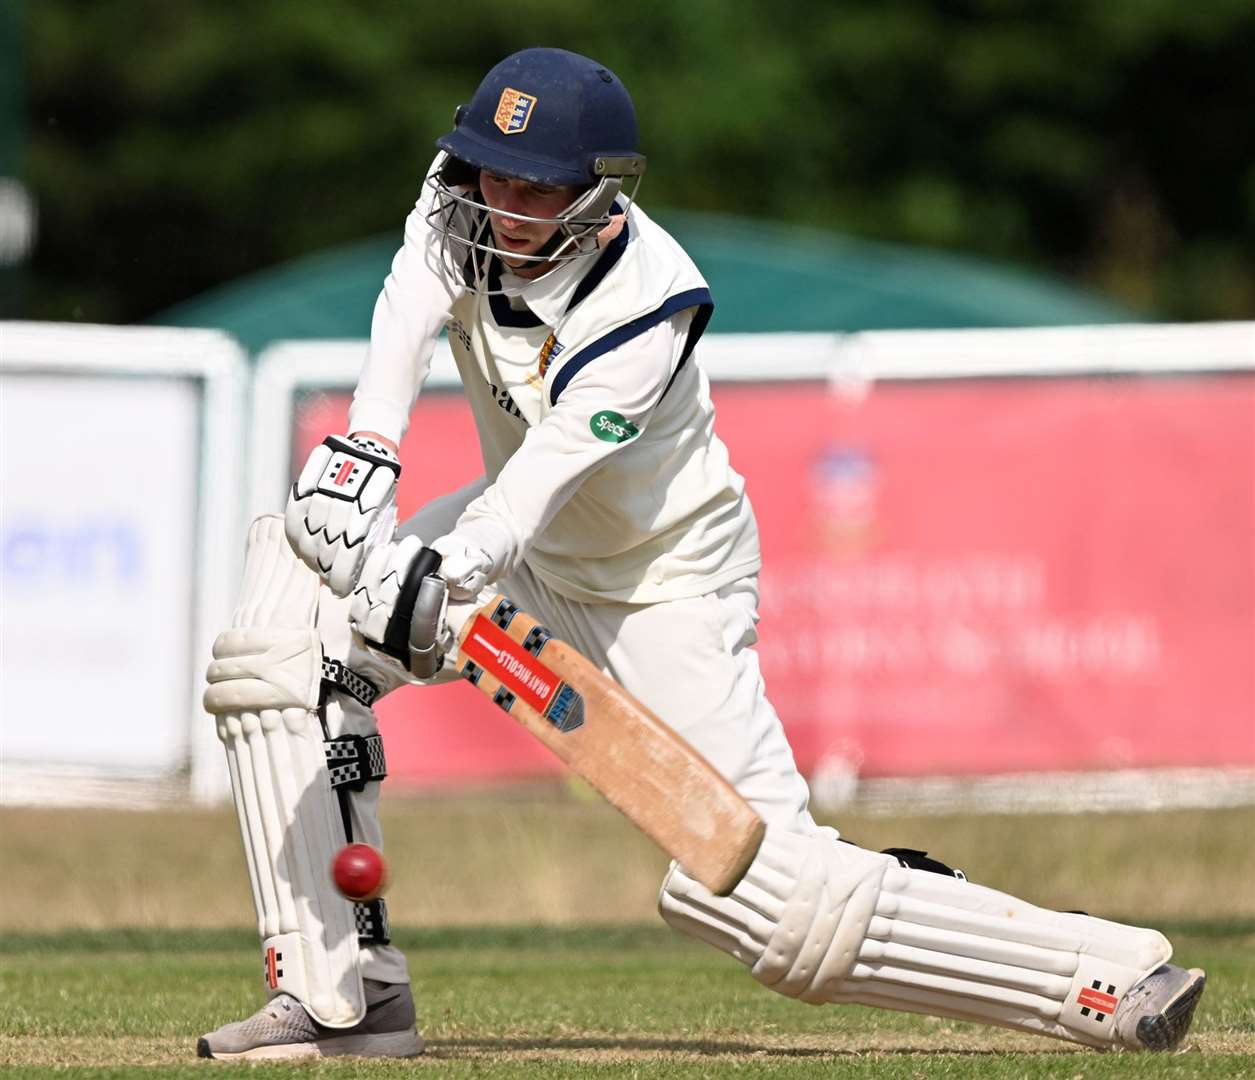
510	664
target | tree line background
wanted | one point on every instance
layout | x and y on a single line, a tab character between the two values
172	145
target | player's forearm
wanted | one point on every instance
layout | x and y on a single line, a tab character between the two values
565	448
409	315
505	520
402	340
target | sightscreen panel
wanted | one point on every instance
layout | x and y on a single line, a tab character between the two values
99	499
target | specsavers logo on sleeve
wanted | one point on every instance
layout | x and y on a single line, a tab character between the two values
610	426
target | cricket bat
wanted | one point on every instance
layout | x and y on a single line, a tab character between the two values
601	732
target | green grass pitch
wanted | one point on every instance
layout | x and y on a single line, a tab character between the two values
587	1001
536	951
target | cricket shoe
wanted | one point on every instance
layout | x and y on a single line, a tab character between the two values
1156	1013
283	1029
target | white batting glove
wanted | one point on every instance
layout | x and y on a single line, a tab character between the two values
465	566
399	605
342	504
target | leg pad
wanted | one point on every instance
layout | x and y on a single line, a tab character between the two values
825	921
264	691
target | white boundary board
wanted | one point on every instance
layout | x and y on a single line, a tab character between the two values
219	364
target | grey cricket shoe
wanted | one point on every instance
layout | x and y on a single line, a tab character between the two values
1156	1013
283	1029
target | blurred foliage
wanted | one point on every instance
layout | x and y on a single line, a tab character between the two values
175	144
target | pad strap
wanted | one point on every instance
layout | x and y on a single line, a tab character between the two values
355	760
914	859
372	923
339	676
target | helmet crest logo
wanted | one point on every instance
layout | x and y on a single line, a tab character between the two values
514	110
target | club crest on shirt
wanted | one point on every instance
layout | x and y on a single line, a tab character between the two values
514	110
548	352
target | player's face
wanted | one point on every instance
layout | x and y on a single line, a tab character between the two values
508	197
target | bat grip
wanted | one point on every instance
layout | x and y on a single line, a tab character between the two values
426	654
396	639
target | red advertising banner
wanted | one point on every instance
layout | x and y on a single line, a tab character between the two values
959	578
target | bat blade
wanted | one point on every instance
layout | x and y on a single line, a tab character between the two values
655	778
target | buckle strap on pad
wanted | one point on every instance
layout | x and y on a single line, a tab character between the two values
919	860
355	760
372	923
342	677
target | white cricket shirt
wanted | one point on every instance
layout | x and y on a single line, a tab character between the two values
595	422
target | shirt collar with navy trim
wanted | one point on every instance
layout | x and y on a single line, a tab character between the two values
552	296
545	298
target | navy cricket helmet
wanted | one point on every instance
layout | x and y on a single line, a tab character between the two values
547	116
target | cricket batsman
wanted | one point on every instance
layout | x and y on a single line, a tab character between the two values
608	508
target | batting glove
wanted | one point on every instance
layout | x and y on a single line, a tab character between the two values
342	505
400	603
465	565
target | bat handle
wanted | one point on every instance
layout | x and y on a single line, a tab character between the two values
461	614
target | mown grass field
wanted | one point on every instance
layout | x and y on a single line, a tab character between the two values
534	952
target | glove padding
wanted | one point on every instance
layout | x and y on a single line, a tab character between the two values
465	566
342	505
400	603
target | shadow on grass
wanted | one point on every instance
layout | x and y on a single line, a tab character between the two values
548	938
448	1048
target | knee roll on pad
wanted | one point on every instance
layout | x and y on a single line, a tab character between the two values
824	921
264	687
796	919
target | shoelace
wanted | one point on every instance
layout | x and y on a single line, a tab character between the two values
276	1004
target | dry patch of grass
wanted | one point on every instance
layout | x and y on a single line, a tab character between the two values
593	1048
98	1050
563	860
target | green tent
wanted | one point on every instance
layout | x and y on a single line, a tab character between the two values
764	276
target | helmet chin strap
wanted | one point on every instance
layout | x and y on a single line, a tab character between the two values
594	206
592	209
549	247
595	203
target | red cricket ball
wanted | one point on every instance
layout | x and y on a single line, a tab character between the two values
359	872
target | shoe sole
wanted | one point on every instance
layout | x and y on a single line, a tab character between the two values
1169	1026
396	1044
